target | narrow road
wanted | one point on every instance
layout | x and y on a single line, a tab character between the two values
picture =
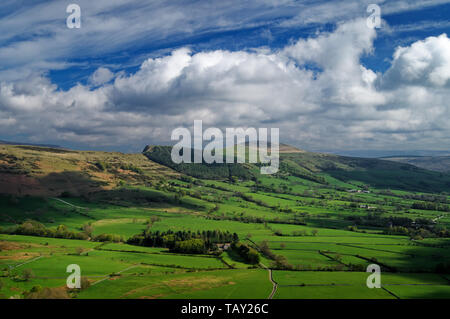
275	285
67	203
27	262
107	276
437	218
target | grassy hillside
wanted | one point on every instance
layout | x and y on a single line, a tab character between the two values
162	155
372	172
432	163
35	170
313	166
139	229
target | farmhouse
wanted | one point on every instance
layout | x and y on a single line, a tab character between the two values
225	246
367	207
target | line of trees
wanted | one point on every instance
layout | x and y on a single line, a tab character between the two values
184	241
416	229
34	228
430	206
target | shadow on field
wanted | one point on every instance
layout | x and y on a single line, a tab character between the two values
140	197
71	182
431	263
53	184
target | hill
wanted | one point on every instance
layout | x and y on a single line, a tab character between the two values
29	144
432	163
373	172
139	229
316	167
35	170
162	155
47	171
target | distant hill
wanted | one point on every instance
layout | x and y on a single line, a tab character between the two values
432	163
389	153
30	144
374	172
316	167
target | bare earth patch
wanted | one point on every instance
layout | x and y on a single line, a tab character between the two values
8	245
19	256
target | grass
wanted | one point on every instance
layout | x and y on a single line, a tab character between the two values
122	201
211	284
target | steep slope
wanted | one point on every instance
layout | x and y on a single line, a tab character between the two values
45	171
33	170
374	172
316	166
432	163
162	155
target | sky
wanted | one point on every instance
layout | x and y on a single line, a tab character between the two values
317	70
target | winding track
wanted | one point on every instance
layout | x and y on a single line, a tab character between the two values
63	201
274	283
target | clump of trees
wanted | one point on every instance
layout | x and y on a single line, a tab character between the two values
190	246
431	206
37	292
34	228
248	253
281	262
278	261
108	238
416	229
418	233
425	197
184	241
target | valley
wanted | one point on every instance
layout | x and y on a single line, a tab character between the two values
141	227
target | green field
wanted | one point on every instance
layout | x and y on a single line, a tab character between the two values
315	225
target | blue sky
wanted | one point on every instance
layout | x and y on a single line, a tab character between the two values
135	70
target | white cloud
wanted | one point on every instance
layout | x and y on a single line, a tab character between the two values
315	90
425	62
101	76
35	38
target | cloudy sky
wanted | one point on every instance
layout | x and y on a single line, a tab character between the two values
135	70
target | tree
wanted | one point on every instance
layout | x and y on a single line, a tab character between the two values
154	219
84	283
38	292
281	262
27	274
88	229
249	254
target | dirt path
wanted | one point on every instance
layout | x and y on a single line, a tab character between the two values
437	218
67	203
275	285
107	277
27	262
